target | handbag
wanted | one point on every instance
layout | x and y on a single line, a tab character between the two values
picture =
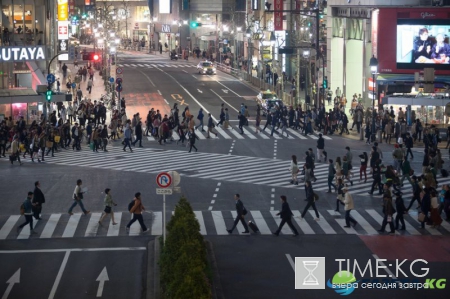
244	211
107	209
411	172
49	144
421	217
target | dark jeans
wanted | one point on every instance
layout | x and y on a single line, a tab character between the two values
413	200
349	218
399	218
289	222
127	143
409	152
385	222
313	205
138	138
330	183
29	219
239	218
77	202
37	211
376	181
338	202
139	218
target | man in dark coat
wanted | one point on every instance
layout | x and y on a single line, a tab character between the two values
241	211
285	215
38	200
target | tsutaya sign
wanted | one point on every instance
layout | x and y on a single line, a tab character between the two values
19	53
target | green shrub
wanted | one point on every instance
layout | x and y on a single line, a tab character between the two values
183	260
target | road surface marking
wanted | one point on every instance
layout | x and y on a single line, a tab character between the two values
71	226
50	226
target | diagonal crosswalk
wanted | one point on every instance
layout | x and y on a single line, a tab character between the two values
211	223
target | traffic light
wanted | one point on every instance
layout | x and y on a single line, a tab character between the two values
91	56
325	83
196	24
48	96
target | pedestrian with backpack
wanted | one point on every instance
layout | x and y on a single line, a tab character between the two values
136	208
26	209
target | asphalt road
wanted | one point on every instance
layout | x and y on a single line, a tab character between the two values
255	166
84	268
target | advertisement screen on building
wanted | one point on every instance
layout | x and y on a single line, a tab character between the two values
423	43
165	6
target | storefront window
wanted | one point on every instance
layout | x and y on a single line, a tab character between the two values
142	14
30	111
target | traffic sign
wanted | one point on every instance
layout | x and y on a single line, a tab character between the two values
119	88
119	76
50	78
74	85
163	179
119	80
163	191
111	79
175	178
119	70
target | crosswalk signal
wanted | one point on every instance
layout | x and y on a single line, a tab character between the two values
325	83
196	24
95	56
48	96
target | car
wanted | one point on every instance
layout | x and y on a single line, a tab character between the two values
206	67
267	100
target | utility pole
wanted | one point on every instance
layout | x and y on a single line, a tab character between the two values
316	70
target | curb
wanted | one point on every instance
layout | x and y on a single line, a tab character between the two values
217	291
153	275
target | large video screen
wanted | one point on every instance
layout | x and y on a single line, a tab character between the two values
423	45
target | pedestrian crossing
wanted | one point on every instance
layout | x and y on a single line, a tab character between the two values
220	167
211	223
233	132
156	65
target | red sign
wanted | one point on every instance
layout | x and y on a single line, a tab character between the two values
163	180
62	30
71	7
278	15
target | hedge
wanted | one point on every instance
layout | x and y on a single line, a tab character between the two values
183	261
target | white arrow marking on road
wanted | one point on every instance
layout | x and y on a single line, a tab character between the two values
14	279
199	90
225	90
102	278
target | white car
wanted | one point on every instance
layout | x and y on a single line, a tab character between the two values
206	67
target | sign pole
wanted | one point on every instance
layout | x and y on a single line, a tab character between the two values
164	219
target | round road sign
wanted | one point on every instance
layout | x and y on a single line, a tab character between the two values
119	70
119	88
111	80
163	180
50	78
119	80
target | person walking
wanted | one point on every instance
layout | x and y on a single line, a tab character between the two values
210	126
401	210
242	120
293	168
286	217
340	194
15	151
192	137
27	209
258	119
127	136
138	131
38	200
137	210
320	148
77	198
349	206
331	174
241	212
109	203
200	117
363	168
388	211
90	83
311	199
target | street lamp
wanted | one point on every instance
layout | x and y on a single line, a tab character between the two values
373	68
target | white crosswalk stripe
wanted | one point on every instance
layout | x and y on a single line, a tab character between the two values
211	223
233	132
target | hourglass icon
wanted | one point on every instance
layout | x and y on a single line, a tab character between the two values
310	279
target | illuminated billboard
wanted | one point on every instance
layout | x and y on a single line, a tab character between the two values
165	6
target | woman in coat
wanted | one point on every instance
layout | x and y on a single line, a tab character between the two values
15	151
349	206
363	167
338	167
293	168
388	211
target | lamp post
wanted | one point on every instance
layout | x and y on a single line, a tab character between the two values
248	33
373	68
